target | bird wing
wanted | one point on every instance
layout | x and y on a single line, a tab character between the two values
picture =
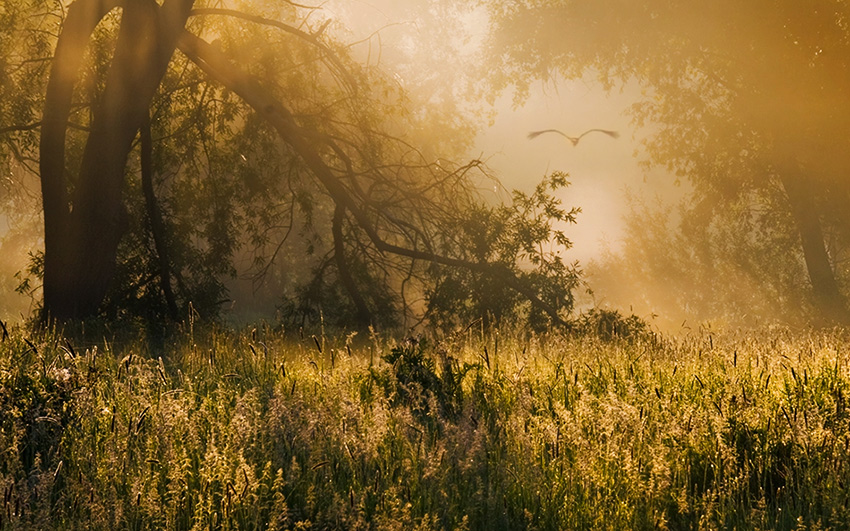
535	134
613	134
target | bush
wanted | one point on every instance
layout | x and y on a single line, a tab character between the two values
609	325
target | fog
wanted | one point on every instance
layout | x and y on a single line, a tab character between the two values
749	102
20	235
600	168
732	216
606	175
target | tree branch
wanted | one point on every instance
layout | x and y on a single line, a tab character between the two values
155	216
219	67
309	37
19	128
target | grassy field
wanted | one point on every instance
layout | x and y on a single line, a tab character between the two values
483	431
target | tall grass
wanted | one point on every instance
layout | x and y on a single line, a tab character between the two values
251	431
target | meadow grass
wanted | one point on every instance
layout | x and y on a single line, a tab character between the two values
480	431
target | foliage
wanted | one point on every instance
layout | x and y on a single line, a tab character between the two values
744	101
27	32
323	301
525	237
683	265
252	431
338	199
610	325
413	380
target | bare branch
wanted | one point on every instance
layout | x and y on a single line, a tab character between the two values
312	38
217	66
19	128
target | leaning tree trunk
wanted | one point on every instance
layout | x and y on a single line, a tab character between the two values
827	297
218	67
82	229
157	225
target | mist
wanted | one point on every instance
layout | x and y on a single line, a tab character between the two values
685	217
425	264
608	177
718	202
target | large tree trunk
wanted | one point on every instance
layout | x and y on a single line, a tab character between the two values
82	232
827	297
59	246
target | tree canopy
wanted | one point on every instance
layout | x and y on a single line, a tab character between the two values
744	98
166	135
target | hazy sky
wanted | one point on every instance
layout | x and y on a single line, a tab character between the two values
600	167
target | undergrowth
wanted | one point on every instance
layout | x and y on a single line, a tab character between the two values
480	432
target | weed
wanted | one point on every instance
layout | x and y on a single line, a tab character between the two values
245	432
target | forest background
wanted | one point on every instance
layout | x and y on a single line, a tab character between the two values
728	165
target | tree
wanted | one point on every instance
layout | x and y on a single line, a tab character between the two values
744	96
523	231
733	270
83	226
159	151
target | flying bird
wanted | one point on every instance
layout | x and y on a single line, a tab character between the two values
574	139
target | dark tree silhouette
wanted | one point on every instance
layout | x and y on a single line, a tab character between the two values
392	206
